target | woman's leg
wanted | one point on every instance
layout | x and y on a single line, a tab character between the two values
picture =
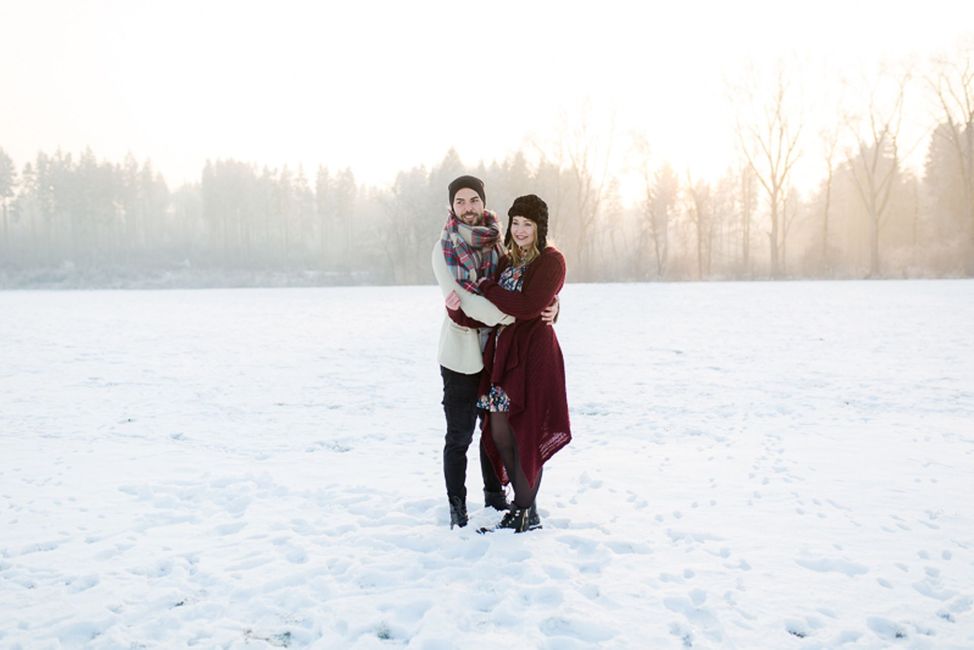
531	493
503	435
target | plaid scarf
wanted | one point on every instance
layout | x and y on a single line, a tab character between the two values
478	259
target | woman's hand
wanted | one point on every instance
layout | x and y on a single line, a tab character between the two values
453	301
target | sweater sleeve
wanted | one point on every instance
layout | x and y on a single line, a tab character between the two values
536	294
474	306
460	318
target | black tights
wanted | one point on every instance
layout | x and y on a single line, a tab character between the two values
503	435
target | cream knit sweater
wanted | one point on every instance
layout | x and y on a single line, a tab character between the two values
460	349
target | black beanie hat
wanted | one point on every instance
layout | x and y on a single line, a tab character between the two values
530	207
468	182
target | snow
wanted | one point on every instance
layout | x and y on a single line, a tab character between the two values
755	465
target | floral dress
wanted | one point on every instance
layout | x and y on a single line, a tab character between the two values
496	400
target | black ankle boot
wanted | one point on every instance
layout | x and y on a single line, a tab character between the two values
521	520
496	500
458	512
507	521
510	518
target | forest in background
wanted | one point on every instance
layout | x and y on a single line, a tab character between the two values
74	220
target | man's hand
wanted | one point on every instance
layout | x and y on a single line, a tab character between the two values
453	301
551	312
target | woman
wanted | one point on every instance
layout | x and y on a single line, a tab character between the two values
524	391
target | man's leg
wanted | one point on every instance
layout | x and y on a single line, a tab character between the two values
460	408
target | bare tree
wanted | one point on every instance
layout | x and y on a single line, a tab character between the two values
875	163
770	145
748	203
660	188
8	176
323	212
346	191
660	206
954	88
830	143
915	218
700	211
585	153
723	220
789	212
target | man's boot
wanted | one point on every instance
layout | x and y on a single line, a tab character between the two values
496	500
458	512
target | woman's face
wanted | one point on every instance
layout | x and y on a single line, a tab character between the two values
524	232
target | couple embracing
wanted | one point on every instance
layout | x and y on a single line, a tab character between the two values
498	353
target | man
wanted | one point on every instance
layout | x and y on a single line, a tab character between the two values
468	248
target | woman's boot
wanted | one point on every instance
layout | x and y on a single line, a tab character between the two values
521	520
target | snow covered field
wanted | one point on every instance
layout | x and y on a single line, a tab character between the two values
764	465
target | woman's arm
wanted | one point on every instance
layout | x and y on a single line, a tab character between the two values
537	294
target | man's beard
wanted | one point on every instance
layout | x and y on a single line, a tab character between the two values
475	214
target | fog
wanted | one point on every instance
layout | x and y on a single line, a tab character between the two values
150	147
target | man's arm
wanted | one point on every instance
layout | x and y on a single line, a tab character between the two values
550	314
474	306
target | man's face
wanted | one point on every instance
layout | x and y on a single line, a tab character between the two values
468	207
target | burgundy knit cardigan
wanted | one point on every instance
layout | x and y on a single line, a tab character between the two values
526	361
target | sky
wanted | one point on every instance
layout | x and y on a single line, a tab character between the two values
382	87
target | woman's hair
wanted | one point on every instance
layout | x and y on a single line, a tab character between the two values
519	257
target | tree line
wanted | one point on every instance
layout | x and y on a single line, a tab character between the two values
75	220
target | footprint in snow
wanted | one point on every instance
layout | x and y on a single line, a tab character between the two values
550	596
838	565
81	583
627	548
556	572
683	633
579	544
582	630
932	587
484	601
803	628
947	616
701	618
886	629
670	577
230	529
844	637
41	547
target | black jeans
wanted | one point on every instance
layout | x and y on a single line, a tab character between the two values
460	407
